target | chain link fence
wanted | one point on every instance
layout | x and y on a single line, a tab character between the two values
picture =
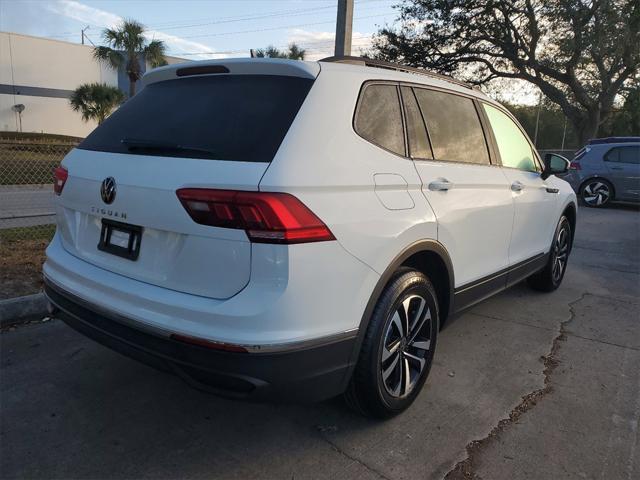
27	214
26	187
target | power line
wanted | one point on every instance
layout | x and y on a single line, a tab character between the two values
235	18
259	16
290	13
281	27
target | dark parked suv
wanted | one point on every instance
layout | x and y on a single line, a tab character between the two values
606	170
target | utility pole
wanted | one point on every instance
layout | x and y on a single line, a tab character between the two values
564	133
82	33
535	135
344	26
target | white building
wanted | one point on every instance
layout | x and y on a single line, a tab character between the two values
40	74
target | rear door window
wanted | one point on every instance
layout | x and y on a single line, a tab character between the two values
379	118
454	127
416	130
224	117
624	155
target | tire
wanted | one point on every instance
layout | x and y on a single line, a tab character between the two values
380	387
596	192
550	277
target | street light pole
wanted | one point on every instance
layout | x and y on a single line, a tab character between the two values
344	26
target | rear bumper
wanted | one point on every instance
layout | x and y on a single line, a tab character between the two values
311	372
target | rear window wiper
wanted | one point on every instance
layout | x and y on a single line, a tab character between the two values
133	144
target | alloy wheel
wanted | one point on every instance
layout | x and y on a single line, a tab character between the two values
560	253
596	193
407	342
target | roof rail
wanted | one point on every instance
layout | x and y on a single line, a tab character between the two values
599	141
368	62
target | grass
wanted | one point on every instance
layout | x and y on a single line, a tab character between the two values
24	164
38	137
18	234
21	258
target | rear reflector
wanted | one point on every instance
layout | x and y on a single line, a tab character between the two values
60	175
201	342
266	217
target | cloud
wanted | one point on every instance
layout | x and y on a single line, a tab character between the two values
95	16
184	45
321	44
84	13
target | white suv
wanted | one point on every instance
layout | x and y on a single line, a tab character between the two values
295	230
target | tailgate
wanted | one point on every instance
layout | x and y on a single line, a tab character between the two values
175	252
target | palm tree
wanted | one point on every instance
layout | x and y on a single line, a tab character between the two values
125	45
96	101
294	52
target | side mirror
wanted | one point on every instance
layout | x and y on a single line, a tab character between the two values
554	164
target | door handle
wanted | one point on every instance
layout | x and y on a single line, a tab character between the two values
517	186
616	168
440	185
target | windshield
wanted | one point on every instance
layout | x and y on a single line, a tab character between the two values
225	117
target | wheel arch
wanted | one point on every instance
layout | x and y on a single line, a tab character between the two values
598	177
427	256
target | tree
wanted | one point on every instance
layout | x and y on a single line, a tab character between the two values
125	45
95	101
293	53
626	121
551	125
579	53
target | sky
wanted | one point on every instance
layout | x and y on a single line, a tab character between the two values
199	29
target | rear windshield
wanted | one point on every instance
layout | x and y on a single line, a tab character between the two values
224	117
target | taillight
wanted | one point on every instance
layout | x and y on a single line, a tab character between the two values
60	175
575	165
266	217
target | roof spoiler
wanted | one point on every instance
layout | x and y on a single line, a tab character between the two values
599	141
234	66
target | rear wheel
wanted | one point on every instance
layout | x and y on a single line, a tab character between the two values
398	347
550	277
596	192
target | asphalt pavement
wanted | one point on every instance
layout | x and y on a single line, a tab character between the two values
26	205
525	386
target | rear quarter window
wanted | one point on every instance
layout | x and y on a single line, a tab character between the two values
224	117
379	119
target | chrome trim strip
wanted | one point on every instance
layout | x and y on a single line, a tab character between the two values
255	348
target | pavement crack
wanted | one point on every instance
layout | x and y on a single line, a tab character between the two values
524	324
354	459
465	469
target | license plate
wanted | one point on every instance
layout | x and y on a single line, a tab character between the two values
121	239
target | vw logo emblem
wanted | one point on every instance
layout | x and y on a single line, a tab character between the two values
108	190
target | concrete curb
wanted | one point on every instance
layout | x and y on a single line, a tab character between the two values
17	309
